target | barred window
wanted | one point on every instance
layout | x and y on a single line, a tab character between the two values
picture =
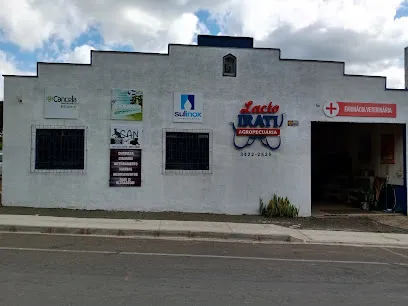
187	151
229	65
60	149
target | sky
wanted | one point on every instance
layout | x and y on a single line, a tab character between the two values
369	35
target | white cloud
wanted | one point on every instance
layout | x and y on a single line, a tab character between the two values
392	70
80	55
145	22
29	23
183	29
363	33
146	25
8	66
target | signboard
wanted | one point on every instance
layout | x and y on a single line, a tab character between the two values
293	123
61	103
125	155
188	107
360	109
125	168
126	136
258	122
127	104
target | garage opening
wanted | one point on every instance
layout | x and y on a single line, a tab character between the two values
358	168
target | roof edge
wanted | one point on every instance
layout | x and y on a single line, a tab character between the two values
196	46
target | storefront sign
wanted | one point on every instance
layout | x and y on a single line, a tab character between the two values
293	123
126	136
360	109
125	168
258	122
188	107
61	103
127	104
125	155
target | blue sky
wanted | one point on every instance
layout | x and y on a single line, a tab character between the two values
27	60
402	11
250	19
205	18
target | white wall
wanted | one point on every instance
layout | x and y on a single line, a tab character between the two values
236	182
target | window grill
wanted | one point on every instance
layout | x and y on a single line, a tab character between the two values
229	65
60	149
187	151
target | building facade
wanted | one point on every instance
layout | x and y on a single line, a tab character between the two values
175	132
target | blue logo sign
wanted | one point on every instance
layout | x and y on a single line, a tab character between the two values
187	107
187	102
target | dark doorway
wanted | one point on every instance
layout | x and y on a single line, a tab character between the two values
347	159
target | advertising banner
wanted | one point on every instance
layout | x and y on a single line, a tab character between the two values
188	107
125	155
360	109
125	168
257	122
126	136
127	104
61	103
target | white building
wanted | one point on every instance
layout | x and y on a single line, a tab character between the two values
60	137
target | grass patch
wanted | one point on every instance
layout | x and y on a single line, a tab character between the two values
278	207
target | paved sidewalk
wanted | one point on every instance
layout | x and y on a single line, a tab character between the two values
193	229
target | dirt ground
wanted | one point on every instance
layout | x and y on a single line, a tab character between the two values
372	223
378	224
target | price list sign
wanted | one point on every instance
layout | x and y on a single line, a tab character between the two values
125	167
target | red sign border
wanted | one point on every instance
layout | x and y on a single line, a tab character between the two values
257	132
342	113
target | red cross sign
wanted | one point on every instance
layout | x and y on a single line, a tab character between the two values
331	109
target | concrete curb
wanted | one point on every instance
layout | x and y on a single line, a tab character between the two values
153	233
360	244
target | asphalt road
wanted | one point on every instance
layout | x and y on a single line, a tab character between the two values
76	270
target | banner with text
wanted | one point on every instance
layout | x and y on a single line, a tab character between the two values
360	109
125	155
187	107
61	103
125	168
